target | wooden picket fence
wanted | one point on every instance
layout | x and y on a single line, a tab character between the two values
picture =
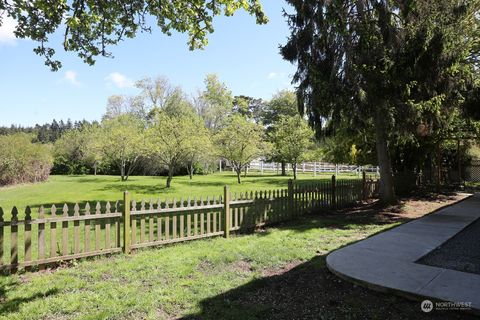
75	231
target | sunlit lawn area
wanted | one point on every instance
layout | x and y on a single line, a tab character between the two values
71	189
80	189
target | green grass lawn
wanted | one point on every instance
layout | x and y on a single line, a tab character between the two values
277	273
71	189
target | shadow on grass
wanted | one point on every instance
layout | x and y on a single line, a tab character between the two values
309	291
13	305
94	179
138	188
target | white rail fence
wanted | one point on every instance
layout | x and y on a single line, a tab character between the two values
313	167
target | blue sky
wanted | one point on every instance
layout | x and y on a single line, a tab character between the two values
243	54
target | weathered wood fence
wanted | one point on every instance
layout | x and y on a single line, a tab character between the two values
74	231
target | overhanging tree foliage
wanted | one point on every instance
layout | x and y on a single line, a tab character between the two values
90	28
392	65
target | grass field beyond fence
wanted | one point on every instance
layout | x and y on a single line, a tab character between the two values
70	189
90	229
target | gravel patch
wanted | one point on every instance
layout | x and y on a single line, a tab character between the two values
461	252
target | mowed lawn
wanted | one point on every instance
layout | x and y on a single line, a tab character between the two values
275	273
79	189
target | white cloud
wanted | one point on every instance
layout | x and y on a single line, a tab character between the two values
119	80
71	77
276	75
272	75
6	31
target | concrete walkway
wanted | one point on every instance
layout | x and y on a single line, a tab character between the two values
386	261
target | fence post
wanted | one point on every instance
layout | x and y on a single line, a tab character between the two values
364	185
226	211
126	223
290	197
334	192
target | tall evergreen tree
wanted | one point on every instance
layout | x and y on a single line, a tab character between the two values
393	65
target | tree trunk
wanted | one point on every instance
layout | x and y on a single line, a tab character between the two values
190	170
170	177
95	168
284	168
245	171
438	167
387	190
294	167
239	172
122	171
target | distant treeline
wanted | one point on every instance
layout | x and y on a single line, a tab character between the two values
48	132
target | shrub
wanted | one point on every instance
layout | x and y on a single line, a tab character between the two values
22	161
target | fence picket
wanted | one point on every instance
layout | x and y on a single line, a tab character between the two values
14	241
76	231
28	235
97	226
117	226
108	244
142	222
134	223
151	227
182	225
189	225
41	236
53	233
87	229
65	231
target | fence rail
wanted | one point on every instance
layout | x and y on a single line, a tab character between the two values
313	167
74	232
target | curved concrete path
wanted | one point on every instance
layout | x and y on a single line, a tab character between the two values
386	261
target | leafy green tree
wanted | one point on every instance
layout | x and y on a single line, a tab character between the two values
171	139
90	28
249	107
282	104
386	64
178	104
292	140
200	147
215	103
78	150
156	91
122	104
159	94
240	142
122	142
